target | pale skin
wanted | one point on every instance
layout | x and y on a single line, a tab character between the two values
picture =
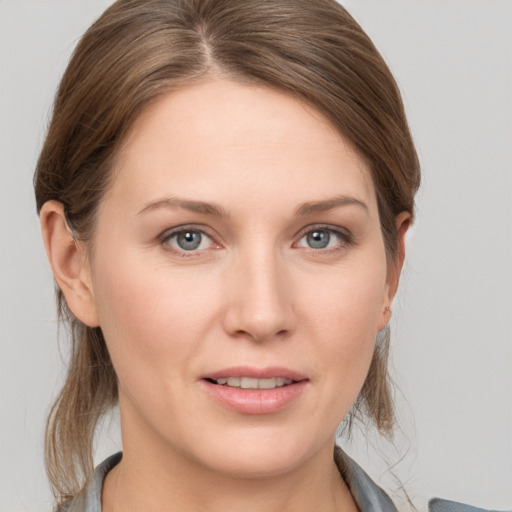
240	230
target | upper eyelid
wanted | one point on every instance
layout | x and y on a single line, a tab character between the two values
186	227
325	227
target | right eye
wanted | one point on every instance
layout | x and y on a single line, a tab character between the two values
188	240
319	239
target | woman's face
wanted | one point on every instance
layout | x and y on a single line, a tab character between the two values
239	277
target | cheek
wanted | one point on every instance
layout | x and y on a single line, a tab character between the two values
349	301
150	315
345	313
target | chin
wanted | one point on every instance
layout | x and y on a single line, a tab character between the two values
254	456
256	465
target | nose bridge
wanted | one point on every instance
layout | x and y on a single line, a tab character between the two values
260	302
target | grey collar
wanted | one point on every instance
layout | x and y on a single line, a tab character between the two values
368	496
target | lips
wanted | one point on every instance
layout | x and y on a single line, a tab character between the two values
255	391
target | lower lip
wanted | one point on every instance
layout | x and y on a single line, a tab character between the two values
255	401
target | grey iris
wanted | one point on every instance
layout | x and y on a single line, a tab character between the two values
318	239
189	240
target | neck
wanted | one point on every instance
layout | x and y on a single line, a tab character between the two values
153	482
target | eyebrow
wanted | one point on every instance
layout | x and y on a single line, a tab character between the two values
215	210
185	204
330	204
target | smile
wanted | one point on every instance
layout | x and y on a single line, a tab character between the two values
253	383
257	391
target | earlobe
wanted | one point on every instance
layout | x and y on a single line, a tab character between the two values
69	263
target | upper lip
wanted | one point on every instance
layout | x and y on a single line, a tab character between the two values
256	373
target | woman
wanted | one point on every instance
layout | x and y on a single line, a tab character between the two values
224	193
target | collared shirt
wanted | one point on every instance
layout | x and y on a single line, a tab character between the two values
368	496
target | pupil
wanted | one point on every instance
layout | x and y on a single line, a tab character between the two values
318	239
189	240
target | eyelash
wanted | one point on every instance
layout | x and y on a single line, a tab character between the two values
344	236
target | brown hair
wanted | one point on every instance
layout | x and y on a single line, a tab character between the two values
139	50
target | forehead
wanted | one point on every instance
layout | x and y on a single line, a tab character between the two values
219	135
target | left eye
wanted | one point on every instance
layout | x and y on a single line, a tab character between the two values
320	239
189	240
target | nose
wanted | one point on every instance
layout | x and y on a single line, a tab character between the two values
259	293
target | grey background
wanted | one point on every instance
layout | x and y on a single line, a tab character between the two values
452	330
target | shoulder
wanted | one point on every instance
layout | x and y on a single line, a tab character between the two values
439	505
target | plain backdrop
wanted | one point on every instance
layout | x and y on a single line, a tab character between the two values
452	335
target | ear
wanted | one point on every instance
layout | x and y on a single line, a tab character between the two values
402	222
69	263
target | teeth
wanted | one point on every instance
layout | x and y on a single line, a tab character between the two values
251	383
268	383
248	383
